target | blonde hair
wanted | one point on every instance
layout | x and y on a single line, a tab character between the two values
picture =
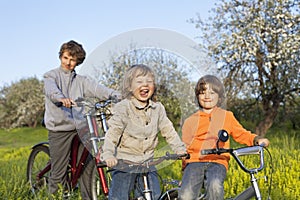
131	73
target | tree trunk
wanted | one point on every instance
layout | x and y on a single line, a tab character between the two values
265	124
269	117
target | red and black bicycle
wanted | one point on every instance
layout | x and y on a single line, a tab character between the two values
91	131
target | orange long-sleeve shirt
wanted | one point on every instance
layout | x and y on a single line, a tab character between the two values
200	131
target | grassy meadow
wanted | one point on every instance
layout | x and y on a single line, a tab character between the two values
284	162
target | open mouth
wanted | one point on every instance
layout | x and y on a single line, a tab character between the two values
144	93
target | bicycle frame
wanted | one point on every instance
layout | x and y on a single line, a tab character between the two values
76	163
145	170
236	153
93	128
250	151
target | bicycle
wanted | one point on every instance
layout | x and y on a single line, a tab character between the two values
39	164
252	191
144	168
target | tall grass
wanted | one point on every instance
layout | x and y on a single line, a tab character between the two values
15	148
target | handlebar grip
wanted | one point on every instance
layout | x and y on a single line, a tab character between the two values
208	151
58	104
186	156
101	164
262	144
177	156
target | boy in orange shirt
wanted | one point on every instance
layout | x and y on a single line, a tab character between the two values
200	131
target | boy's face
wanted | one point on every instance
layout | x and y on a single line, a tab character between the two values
208	99
68	62
142	88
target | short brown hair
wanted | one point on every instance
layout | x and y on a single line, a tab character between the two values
215	83
131	73
75	49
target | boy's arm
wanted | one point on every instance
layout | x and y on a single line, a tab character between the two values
239	133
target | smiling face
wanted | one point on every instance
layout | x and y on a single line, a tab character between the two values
208	99
67	61
142	87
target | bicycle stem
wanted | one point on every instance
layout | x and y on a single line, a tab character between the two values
92	132
147	191
255	186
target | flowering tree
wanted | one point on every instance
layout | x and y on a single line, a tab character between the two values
256	44
22	103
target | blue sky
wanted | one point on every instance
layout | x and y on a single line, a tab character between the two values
33	30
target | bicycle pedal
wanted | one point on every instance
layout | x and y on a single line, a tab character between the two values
66	195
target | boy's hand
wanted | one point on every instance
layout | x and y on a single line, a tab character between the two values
264	141
110	162
67	102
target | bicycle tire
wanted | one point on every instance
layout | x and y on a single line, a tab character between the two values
170	195
38	159
246	194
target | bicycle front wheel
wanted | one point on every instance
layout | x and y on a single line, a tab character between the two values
170	195
246	194
38	168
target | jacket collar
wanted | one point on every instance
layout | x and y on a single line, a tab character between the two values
201	113
136	103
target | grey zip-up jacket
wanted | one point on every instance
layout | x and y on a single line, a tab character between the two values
58	84
133	131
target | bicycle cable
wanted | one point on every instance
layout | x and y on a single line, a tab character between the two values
271	174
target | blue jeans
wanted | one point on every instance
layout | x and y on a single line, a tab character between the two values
124	182
199	174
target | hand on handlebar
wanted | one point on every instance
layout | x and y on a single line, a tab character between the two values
263	142
183	155
66	102
110	162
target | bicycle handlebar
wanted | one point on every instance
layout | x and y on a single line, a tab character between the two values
80	102
127	164
252	150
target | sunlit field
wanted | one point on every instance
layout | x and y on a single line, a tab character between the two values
284	163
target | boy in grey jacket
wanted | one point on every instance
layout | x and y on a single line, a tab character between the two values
64	85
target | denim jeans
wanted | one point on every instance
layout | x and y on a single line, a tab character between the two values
123	183
208	174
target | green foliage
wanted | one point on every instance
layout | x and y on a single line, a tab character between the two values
249	112
22	104
174	86
12	175
256	45
284	150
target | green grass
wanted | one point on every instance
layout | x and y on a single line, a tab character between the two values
15	148
22	137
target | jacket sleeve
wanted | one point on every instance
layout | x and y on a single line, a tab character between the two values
94	89
116	128
239	133
168	131
51	89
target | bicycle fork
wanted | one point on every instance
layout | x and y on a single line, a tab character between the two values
147	191
255	186
92	124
